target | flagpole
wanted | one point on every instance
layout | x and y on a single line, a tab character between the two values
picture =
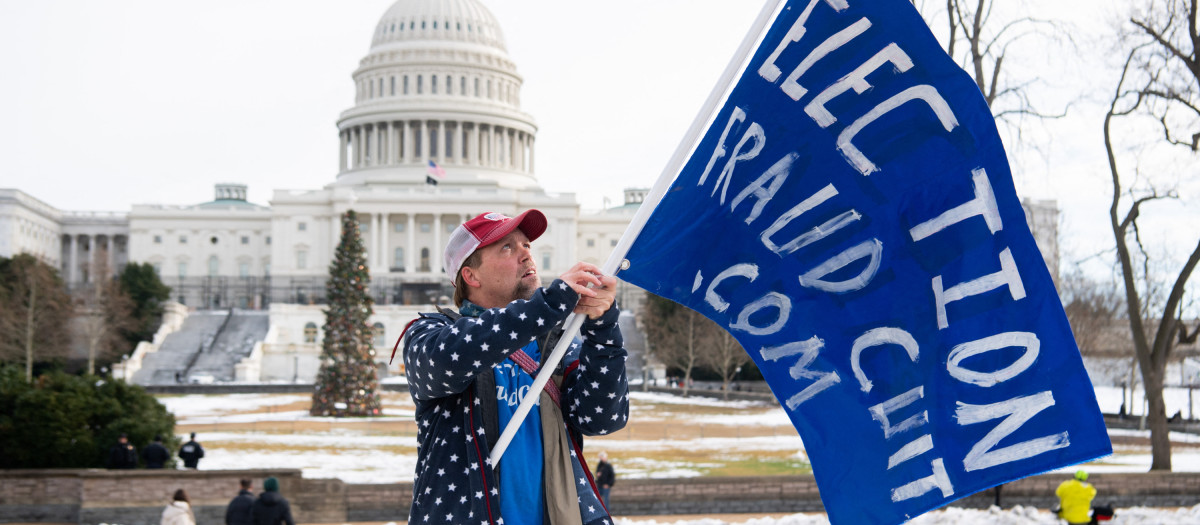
617	257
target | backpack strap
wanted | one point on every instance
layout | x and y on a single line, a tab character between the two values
530	367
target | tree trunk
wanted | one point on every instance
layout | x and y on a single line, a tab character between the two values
92	343
691	353
29	330
1156	418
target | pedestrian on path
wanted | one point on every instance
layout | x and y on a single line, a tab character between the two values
271	508
179	511
155	454
605	477
239	510
191	452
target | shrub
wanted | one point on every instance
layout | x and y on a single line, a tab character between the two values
67	421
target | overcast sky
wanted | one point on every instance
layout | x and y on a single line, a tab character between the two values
120	102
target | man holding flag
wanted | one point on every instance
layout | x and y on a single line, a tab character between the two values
468	370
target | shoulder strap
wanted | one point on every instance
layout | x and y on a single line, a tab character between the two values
454	316
450	315
531	367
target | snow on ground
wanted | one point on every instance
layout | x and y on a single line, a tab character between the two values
200	409
1176	399
670	399
346	455
359	456
197	405
775	417
954	516
957	516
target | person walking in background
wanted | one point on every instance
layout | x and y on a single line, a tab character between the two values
179	511
155	454
271	508
605	477
191	452
1075	499
240	507
122	455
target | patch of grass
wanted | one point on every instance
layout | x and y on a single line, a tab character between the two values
760	467
248	447
708	462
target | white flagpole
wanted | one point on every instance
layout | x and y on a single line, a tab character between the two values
617	258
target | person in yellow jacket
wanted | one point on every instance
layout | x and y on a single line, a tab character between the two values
1075	499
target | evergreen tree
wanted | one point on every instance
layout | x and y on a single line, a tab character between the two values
142	284
67	421
347	382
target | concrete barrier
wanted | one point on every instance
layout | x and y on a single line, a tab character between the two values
137	497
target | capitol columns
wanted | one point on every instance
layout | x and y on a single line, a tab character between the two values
73	266
475	158
392	156
460	156
494	146
522	139
424	140
356	147
382	147
343	143
376	145
406	142
437	145
448	142
514	158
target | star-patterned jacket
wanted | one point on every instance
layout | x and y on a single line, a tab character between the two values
448	362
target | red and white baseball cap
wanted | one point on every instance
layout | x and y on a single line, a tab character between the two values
487	228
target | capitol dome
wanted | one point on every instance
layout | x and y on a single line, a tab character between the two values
453	20
437	85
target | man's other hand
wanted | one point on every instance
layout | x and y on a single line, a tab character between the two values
596	300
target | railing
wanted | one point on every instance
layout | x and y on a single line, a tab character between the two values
259	292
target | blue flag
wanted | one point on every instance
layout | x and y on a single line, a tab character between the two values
850	217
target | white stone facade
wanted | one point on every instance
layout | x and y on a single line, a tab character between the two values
215	255
72	241
28	225
437	85
1042	217
291	352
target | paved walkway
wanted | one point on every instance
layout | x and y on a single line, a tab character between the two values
724	518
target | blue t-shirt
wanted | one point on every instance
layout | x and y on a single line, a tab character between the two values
521	495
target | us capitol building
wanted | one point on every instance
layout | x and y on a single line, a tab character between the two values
437	84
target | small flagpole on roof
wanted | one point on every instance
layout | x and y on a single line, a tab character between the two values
616	259
433	170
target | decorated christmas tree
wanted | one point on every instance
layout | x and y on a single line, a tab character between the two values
347	382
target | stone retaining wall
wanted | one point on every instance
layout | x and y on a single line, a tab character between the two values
138	497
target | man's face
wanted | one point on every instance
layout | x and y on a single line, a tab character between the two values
506	272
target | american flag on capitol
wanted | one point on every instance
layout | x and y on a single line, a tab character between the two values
432	170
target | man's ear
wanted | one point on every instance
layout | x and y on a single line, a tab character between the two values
470	277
